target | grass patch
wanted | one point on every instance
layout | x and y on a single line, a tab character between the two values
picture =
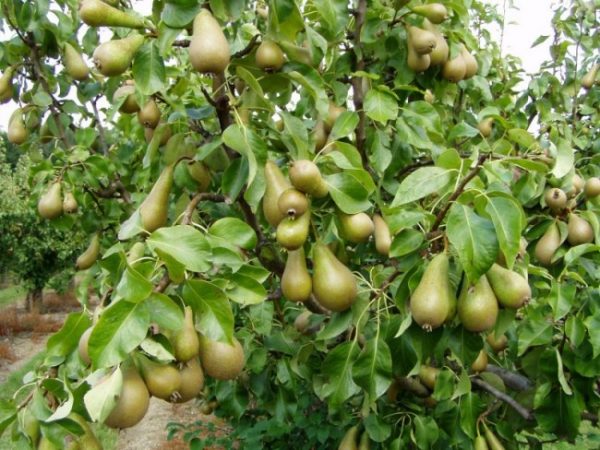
11	295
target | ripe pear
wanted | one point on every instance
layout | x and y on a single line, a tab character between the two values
556	199
82	347
209	49
477	306
302	321
592	187
74	63
50	203
480	443
480	363
333	113
69	203
6	86
17	131
292	232
90	255
431	300
334	285
383	237
296	284
455	69
485	127
319	135
348	442
199	172
422	41
434	12
428	376
114	57
162	380
356	227
493	442
511	289
130	104
269	56
579	230
97	13
132	404
292	203
589	78
192	381
417	63
154	210
499	344
470	62
149	115
186	344
547	245
221	360
306	177
276	184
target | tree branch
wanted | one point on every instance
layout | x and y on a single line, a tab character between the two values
358	94
101	134
512	380
200	196
520	409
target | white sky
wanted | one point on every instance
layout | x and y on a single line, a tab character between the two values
524	23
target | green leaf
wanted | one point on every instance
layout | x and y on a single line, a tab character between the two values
245	290
592	323
164	311
565	158
348	193
380	106
184	244
506	214
213	310
405	242
462	130
536	330
312	82
344	125
561	298
426	432
102	398
121	328
133	287
561	375
149	69
468	414
372	370
337	367
377	428
235	232
8	413
66	340
474	239
421	183
180	14
295	136
521	137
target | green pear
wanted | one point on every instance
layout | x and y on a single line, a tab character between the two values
333	113
334	285
383	237
592	187
221	360
422	41
292	232
132	403
200	174
455	69
511	289
90	255
296	284
292	203
498	344
192	381
186	344
319	135
477	306
70	203
74	63
269	56
428	376
17	131
349	440
480	443
470	62
276	184
149	115
50	203
88	440
548	244
302	321
6	85
439	55
579	230
162	380
136	252
589	78
430	301
480	363
577	186
365	442
163	130
114	57
154	210
82	346
485	127
306	177
356	227
428	96
130	104
416	62
434	12
492	441
97	13
46	444
217	160
209	49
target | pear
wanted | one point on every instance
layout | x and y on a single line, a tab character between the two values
579	230
200	174
589	78
422	41
434	12
383	237
74	63
480	443
292	203
192	381
547	245
306	177
296	284
163	130
577	186
349	440
221	360
365	442
82	346
356	227
69	203
511	289
455	69
470	62
430	302
293	231
186	344
154	210
302	321
439	55
492	440
485	127
96	13
130	104
556	199
480	363
209	49
132	404
417	63
477	306
17	131
162	380
50	203
428	96
276	184
136	252
428	376
319	135
592	187
6	86
497	344
90	255
334	285
269	56
149	115
114	57
333	113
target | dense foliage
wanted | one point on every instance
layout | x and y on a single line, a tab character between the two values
453	167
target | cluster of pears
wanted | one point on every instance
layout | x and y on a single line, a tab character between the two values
434	302
52	205
579	230
351	440
177	382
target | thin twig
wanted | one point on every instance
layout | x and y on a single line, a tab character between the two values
520	409
200	196
253	43
512	380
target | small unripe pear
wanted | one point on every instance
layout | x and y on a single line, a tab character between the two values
422	41
589	78
302	321
477	306
50	204
292	232
319	135
434	12
470	62
269	56
348	442
428	96
6	85
149	115
480	363
485	127
83	346
97	13
132	404
69	203
383	237
292	203
480	443
333	113
199	172
511	289
296	283
276	184
17	131
428	376
162	380
192	381
334	285
186	344
154	210
416	62
497	344
90	255
130	104
74	63
114	57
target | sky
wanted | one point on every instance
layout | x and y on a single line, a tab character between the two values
520	32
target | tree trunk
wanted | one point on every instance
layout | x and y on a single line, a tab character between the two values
34	300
